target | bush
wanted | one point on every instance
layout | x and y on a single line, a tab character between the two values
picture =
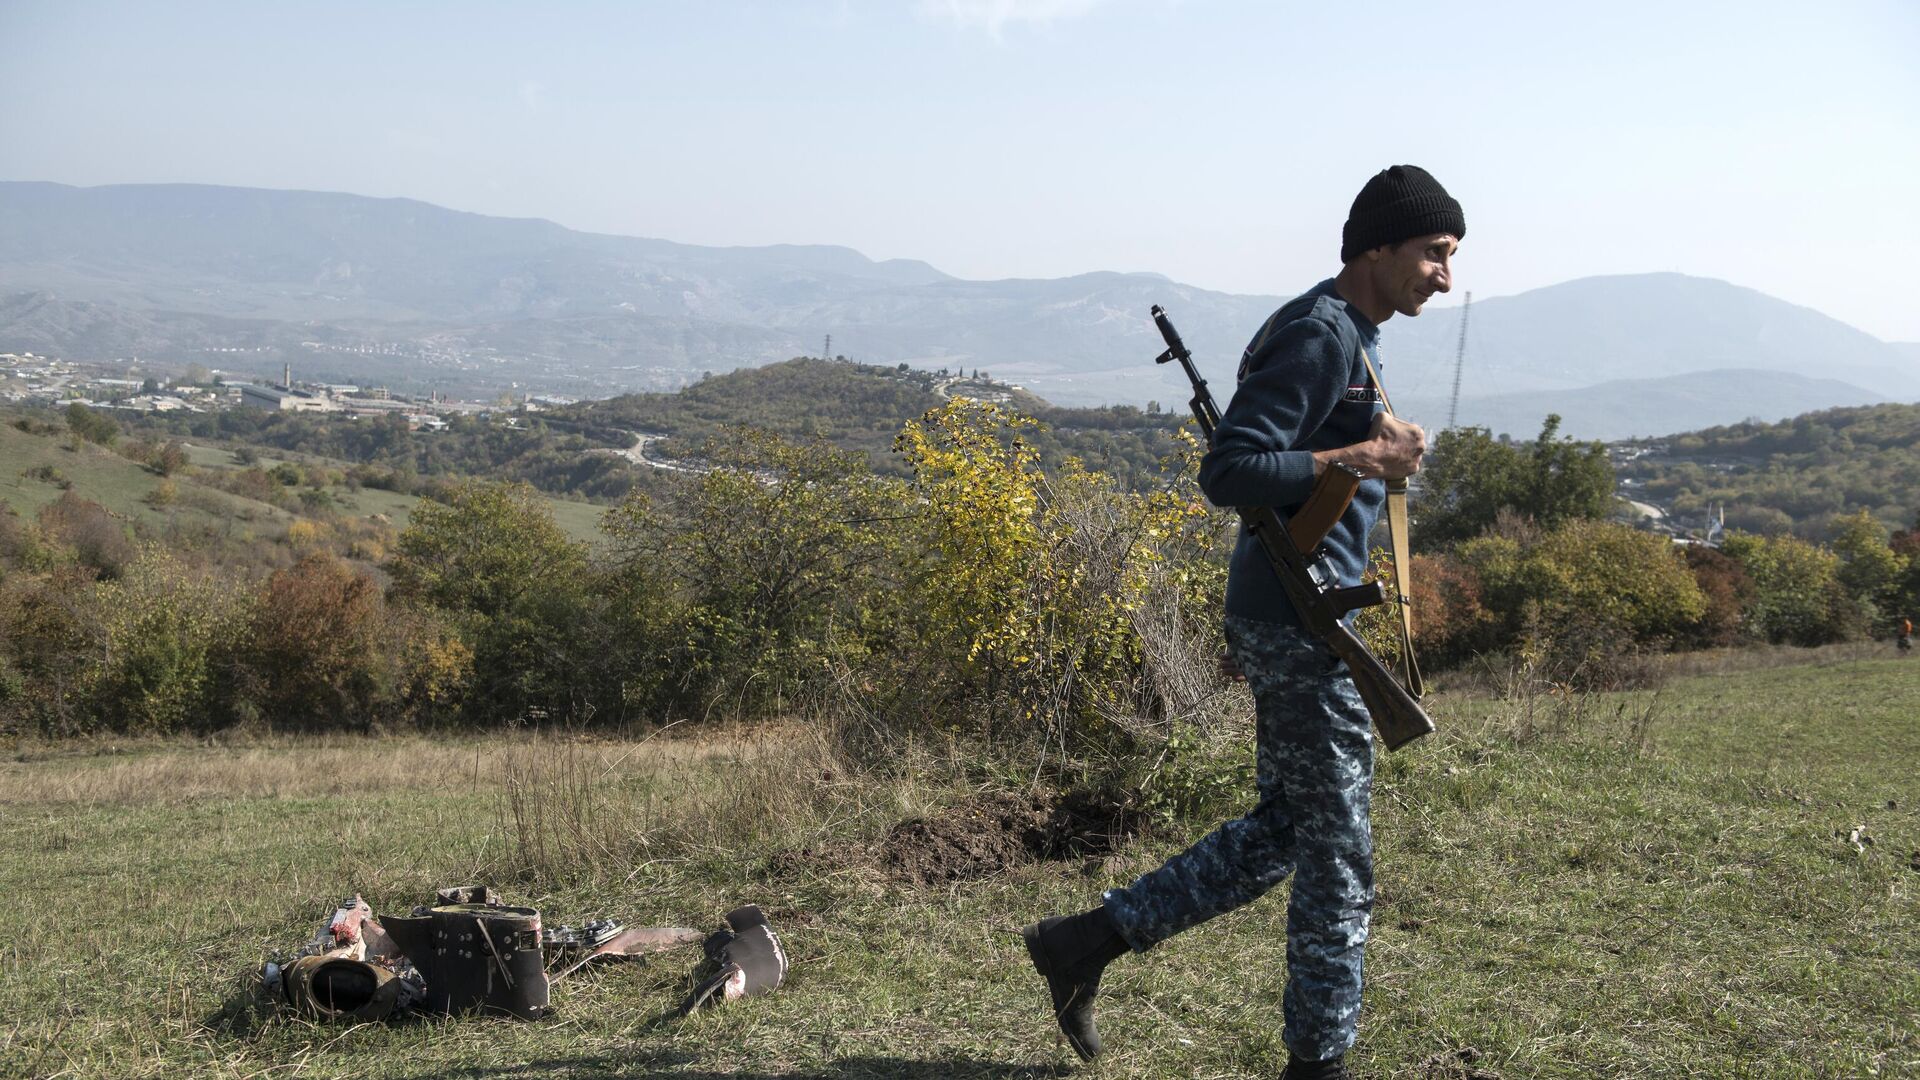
92	426
526	602
1727	590
171	633
97	540
482	548
50	638
1585	599
781	550
1797	597
1029	596
319	659
1450	618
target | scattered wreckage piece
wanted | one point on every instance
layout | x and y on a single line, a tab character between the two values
633	942
341	988
476	956
743	960
351	969
470	952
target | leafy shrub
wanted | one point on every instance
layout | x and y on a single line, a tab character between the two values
169	631
50	639
97	540
1585	599
482	547
1727	590
92	426
785	556
1451	621
1797	596
1031	592
48	474
492	558
163	494
318	656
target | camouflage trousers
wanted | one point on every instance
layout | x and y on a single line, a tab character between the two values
1315	772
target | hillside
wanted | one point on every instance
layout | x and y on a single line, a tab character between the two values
1796	473
863	407
221	502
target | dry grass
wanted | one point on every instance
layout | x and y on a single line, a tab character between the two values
169	772
580	814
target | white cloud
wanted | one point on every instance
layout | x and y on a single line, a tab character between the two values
533	94
993	15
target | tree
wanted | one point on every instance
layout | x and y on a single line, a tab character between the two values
92	426
316	650
1797	598
1470	476
1870	570
482	548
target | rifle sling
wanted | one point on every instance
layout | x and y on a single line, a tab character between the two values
1402	552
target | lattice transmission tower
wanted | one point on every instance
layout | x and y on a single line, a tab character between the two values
1459	362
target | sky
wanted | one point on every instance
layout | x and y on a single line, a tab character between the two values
1218	142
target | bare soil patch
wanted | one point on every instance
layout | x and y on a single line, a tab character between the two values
979	838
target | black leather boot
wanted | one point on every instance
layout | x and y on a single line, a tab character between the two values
1301	1069
1070	952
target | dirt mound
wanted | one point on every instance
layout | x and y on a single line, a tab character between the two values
976	839
1091	821
992	833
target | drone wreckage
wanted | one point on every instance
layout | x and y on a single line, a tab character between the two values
469	952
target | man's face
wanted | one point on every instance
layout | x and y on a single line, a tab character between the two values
1408	273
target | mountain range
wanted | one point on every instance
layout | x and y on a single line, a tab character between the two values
415	295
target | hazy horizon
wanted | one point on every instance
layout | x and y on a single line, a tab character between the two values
1217	143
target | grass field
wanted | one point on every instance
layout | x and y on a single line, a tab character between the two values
1720	878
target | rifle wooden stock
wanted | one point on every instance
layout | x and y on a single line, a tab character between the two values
1395	712
1331	496
1321	609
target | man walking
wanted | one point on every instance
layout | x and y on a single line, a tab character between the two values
1307	401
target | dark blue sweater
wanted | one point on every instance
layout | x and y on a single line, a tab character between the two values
1303	387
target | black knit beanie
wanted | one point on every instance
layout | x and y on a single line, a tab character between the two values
1398	204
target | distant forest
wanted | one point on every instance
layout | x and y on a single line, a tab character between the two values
1796	475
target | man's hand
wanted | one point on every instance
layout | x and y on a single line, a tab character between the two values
1392	450
1230	668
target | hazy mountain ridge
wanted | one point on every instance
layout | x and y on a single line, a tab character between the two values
154	270
1631	408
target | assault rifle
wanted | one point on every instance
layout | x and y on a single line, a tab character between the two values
1306	574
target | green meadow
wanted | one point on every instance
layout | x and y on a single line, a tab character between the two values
1718	878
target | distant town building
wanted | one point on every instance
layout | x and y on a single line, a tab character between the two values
281	399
